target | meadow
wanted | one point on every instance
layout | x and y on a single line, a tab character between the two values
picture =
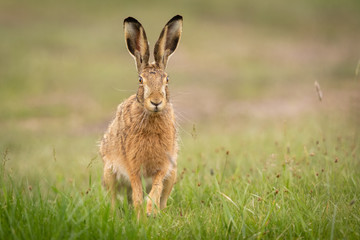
261	155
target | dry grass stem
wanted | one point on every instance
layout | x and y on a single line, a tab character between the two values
318	90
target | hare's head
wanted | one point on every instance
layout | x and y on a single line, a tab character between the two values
153	91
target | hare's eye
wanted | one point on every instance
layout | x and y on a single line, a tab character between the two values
167	79
140	80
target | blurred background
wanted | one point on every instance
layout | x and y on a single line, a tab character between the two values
241	67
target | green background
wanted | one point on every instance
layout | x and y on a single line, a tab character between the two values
251	124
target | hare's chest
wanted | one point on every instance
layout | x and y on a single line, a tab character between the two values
151	153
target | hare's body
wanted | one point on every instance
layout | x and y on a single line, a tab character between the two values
138	144
141	141
143	148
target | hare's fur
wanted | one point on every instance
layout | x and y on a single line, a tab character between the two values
141	141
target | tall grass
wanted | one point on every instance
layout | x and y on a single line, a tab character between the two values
300	185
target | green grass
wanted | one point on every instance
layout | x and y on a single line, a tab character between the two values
281	182
260	158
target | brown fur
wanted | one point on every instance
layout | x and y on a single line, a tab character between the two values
141	140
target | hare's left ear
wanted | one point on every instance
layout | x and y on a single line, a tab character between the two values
168	41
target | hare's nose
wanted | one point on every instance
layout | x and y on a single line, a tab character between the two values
156	104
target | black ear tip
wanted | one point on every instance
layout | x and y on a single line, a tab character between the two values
176	18
130	20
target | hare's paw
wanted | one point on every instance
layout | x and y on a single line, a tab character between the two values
152	209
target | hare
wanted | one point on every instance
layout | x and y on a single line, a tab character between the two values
141	142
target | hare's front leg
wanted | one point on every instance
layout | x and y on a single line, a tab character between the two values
155	193
137	193
168	185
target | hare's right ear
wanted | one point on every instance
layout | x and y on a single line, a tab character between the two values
168	41
136	42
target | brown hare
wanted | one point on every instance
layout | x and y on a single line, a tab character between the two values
141	142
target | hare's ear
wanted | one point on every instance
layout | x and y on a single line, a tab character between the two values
136	42
168	41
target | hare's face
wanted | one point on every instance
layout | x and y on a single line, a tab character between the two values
153	89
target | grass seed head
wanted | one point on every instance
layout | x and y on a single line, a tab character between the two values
357	70
318	91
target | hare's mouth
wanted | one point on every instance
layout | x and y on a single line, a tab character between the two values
155	109
155	106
